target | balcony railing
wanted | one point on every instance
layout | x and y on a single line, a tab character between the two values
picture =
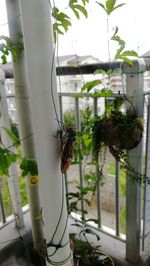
136	201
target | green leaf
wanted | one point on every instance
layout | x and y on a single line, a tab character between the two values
82	9
119	6
29	166
6	159
125	59
103	7
4	59
99	71
130	53
76	8
110	6
85	2
76	13
11	135
90	85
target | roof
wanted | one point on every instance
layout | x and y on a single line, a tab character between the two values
74	59
146	54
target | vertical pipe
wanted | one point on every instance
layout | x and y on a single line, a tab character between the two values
117	197
23	104
78	129
134	84
39	50
95	103
146	190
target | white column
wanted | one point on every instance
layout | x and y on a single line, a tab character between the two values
134	86
13	181
42	81
146	196
24	117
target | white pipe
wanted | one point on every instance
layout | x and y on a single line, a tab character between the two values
39	54
24	116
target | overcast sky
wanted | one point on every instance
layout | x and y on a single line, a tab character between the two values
89	36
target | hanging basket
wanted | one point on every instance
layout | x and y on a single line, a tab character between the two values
119	131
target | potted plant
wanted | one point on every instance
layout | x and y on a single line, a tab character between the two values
120	131
84	252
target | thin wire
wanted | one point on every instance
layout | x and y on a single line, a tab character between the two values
19	140
61	262
9	21
60	213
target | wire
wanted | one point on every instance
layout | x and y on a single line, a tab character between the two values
60	214
9	21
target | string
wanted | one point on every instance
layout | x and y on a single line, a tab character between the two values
10	21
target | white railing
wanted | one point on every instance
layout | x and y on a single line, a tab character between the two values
137	197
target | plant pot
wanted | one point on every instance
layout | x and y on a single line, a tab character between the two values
96	258
117	131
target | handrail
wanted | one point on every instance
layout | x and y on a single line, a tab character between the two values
78	69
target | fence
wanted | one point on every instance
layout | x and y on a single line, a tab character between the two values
136	200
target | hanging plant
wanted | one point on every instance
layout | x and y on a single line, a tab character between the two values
120	132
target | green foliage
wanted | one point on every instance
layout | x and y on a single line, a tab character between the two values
11	135
110	6
77	8
6	195
15	132
29	166
123	220
90	85
121	53
8	46
6	159
23	190
69	118
62	22
6	200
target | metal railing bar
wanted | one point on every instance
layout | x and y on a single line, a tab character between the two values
95	103
2	209
147	92
117	197
83	94
77	70
145	173
61	107
78	129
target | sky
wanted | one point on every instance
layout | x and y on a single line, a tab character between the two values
90	36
